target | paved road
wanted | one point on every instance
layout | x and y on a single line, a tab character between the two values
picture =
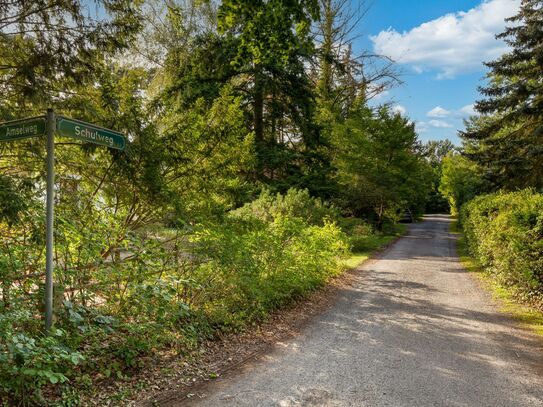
413	329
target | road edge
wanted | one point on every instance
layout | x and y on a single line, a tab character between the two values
527	317
283	325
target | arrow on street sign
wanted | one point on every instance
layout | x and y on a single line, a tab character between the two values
90	133
19	129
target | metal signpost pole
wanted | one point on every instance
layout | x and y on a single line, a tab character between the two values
50	206
37	126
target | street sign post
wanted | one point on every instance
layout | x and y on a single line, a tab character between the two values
19	129
50	219
38	126
90	133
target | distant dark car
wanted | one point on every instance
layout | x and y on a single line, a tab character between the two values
407	217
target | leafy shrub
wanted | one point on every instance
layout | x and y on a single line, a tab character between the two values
356	226
28	363
169	290
296	203
504	232
359	233
266	254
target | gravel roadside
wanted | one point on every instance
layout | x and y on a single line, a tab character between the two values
411	329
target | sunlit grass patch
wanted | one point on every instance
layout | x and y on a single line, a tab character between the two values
365	245
355	260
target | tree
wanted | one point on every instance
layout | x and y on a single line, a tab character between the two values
507	140
379	167
342	77
342	80
271	44
47	46
435	151
460	181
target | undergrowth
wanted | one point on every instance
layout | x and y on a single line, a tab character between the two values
165	291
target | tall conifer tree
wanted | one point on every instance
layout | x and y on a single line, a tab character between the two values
508	139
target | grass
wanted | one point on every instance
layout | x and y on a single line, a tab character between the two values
527	316
366	245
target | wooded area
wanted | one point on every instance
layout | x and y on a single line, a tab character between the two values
257	159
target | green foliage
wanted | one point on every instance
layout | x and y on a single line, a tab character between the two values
295	203
204	153
460	181
259	269
504	233
48	45
269	44
29	362
507	138
379	169
365	240
435	152
150	252
12	201
269	32
267	254
132	293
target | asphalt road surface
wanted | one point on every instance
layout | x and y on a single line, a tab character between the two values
412	329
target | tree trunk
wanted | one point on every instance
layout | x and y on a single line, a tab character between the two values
258	120
327	28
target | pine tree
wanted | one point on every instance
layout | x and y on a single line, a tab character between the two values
507	140
47	46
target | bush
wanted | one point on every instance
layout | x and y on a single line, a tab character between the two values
254	266
265	254
504	233
296	203
29	363
165	291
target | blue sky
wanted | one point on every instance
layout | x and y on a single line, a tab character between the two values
439	46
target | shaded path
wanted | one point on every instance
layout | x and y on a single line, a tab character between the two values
413	329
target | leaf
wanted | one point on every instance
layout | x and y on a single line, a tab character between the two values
29	372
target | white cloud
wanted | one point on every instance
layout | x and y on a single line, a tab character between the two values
468	110
440	124
399	109
452	44
438	111
421	127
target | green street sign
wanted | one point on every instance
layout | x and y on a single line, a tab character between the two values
90	133
38	126
19	129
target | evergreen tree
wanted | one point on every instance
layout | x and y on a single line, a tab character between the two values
47	46
507	141
272	44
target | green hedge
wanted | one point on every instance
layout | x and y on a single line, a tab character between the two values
504	233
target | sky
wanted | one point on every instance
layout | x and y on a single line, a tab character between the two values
439	47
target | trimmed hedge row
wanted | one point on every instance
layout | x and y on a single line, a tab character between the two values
504	232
